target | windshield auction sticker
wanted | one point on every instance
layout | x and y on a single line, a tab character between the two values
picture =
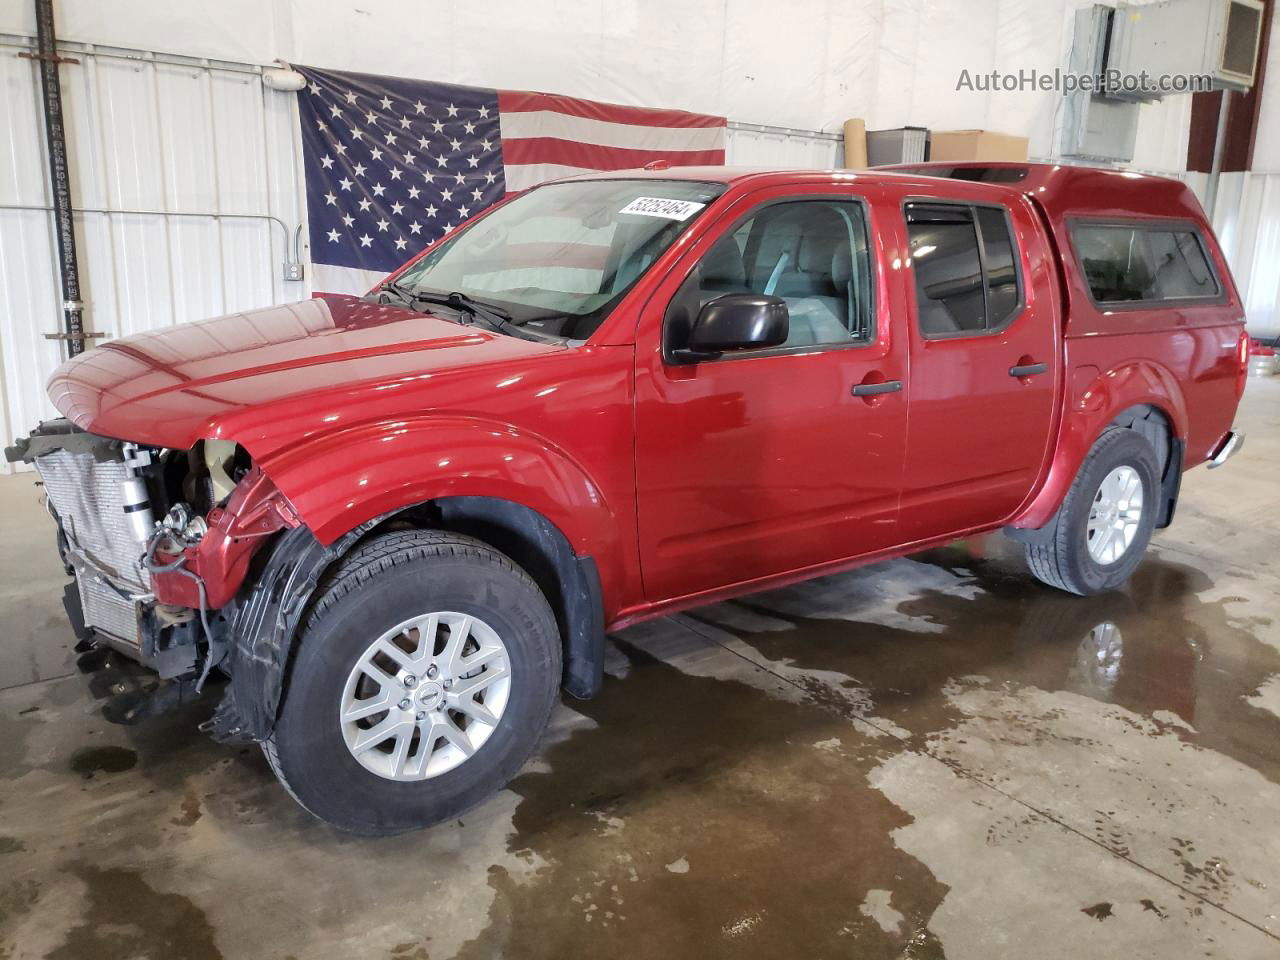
658	207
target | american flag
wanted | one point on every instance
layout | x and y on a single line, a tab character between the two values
393	164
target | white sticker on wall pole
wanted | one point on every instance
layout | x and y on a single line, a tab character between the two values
660	207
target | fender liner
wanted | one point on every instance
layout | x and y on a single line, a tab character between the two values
570	583
263	626
266	618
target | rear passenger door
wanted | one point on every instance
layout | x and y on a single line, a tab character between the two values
984	364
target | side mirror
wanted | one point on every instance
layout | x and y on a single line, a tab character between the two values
737	321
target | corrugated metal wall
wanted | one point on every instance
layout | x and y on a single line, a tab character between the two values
755	145
186	180
1247	221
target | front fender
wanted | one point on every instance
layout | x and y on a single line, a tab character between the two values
341	480
1094	399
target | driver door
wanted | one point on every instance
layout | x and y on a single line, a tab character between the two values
771	460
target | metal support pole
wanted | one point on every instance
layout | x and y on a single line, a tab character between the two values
59	178
1219	147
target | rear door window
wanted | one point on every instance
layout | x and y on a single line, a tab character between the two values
965	265
1001	270
1140	263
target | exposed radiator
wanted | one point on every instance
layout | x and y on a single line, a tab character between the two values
107	559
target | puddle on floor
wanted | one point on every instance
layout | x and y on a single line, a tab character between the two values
699	817
125	917
1156	648
95	760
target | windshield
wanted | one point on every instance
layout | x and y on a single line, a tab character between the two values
560	257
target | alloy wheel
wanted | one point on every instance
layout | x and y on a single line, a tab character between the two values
425	696
1114	515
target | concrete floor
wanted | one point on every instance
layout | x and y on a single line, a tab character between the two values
934	756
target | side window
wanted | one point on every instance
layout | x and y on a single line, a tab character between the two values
1003	296
1114	261
965	266
1179	267
813	254
948	268
1127	263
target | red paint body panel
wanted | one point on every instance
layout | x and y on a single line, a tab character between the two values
992	431
268	378
552	433
688	483
756	464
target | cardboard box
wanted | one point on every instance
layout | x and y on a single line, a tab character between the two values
964	145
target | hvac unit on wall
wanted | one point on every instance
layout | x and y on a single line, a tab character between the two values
1145	52
1214	38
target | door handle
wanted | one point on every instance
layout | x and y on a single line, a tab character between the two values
1028	369
872	389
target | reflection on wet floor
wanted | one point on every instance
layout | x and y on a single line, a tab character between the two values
1156	649
936	756
711	776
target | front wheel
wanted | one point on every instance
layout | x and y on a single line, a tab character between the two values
425	673
1099	534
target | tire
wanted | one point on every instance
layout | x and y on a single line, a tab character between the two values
1059	554
374	591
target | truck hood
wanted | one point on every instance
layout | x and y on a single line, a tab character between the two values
233	376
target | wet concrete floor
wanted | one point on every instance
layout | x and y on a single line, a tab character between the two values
931	757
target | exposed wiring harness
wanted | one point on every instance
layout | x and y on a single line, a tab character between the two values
179	566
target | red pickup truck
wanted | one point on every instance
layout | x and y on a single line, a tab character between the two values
398	523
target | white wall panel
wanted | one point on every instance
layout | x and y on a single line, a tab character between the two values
284	190
29	297
1247	222
241	183
1266	148
1163	129
750	145
129	129
1261	240
185	111
195	164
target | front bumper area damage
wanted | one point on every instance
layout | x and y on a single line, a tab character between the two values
83	477
159	593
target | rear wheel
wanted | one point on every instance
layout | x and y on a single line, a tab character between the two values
425	673
1099	534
